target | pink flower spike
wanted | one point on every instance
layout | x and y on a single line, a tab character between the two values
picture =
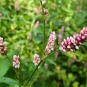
16	62
36	24
36	59
16	5
50	44
72	43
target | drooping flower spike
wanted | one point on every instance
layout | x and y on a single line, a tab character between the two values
73	42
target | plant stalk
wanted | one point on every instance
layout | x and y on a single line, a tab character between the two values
33	73
44	23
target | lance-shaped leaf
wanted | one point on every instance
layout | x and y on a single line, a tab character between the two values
9	81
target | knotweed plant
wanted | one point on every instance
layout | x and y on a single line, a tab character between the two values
69	44
38	59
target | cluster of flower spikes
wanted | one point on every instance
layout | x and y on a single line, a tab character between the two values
3	48
50	44
48	49
36	59
72	43
16	62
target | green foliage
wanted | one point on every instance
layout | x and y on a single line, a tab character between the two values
68	69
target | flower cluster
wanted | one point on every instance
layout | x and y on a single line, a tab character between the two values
50	44
45	12
60	35
43	2
16	62
72	43
16	5
36	59
2	46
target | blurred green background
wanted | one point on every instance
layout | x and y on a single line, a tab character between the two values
17	27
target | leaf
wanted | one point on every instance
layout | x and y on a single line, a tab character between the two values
4	66
49	73
75	84
37	39
9	81
51	61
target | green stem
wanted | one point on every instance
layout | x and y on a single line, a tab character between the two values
44	22
51	53
81	3
33	74
35	77
0	22
44	33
